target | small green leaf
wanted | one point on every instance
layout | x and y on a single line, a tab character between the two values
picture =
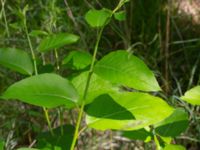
124	68
47	90
56	41
126	111
174	147
141	134
98	18
174	125
192	96
61	140
16	60
97	86
120	16
78	60
36	33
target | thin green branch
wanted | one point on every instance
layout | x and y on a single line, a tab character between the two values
4	16
36	70
76	133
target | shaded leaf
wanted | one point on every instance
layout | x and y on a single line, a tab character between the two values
48	90
174	125
123	68
56	41
16	60
192	96
145	110
97	86
174	147
61	140
98	18
141	134
48	68
120	16
78	60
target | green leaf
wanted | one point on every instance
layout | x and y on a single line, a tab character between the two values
97	86
98	18
56	41
2	145
78	60
141	134
47	90
120	16
123	68
126	111
192	96
174	125
61	140
16	60
174	147
36	33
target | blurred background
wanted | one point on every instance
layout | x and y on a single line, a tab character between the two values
165	34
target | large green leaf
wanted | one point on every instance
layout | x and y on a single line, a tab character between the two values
174	147
192	96
140	134
97	86
16	60
78	60
126	111
123	68
98	18
174	125
48	90
60	140
56	41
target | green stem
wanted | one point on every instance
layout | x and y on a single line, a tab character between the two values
57	59
31	48
48	120
157	143
86	90
36	70
76	133
5	19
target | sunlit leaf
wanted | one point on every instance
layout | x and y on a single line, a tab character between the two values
126	111
97	86
98	18
56	41
174	147
48	90
126	69
17	60
192	96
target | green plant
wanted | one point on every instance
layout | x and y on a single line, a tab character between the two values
115	92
